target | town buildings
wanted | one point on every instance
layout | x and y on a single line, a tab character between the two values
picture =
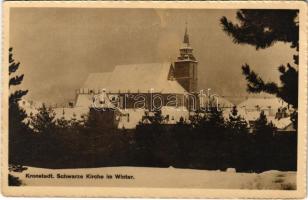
129	92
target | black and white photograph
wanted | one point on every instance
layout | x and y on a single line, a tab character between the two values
154	97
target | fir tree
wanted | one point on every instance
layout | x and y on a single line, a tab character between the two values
62	123
157	118
98	120
236	124
215	118
181	121
264	143
92	120
262	29
44	121
17	128
212	123
16	96
262	128
76	124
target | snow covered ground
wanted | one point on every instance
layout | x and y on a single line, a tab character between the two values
157	177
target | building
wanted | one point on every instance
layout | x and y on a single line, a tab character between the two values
138	88
186	72
133	86
276	110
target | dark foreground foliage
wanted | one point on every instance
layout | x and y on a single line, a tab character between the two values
208	142
14	181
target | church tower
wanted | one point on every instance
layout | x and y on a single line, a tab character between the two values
185	67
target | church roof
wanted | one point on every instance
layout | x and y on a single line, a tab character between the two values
135	78
99	80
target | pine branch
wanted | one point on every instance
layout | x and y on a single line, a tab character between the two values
16	80
263	28
289	81
230	29
11	60
16	96
295	58
13	67
256	84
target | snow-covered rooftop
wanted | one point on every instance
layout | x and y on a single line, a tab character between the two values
135	78
71	113
262	102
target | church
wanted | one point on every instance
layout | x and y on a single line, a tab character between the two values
135	88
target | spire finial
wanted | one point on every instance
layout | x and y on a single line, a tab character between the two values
185	27
186	36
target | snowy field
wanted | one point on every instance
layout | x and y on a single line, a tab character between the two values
157	177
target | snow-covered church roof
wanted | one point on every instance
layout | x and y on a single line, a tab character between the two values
135	78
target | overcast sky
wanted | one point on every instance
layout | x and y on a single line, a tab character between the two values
58	47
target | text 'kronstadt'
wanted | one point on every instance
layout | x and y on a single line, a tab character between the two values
78	176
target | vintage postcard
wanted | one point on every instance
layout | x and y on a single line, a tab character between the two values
154	99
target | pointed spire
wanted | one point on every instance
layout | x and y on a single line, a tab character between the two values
186	36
